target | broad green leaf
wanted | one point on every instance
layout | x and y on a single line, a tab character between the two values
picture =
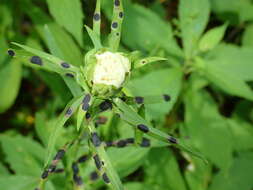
162	170
24	155
193	17
3	170
233	59
211	38
239	176
226	81
127	160
242	133
233	10
134	186
130	116
18	182
94	38
160	82
144	61
247	38
10	77
208	131
68	14
57	127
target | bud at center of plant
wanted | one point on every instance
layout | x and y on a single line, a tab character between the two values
111	69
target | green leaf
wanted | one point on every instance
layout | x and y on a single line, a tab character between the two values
165	81
68	14
239	176
233	59
148	30
24	155
212	37
225	80
134	186
162	172
10	77
236	12
208	131
130	116
142	62
3	170
247	38
193	17
94	38
21	182
57	127
97	21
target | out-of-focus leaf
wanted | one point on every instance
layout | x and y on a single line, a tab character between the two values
233	59
166	81
193	17
24	155
135	186
68	14
225	80
247	38
239	176
10	77
242	134
128	159
207	130
233	10
162	170
211	38
3	170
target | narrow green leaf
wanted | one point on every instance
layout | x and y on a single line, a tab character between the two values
94	38
63	117
142	62
212	37
131	117
117	18
107	167
247	38
193	17
97	18
68	14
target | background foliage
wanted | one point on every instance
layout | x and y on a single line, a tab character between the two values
209	73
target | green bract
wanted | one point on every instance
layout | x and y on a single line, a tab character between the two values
101	79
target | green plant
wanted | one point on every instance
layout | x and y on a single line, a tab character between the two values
102	89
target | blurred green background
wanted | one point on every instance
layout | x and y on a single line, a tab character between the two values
209	74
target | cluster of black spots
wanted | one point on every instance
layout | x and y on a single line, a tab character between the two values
69	75
143	128
105	178
86	102
166	97
96	17
114	25
139	99
36	60
172	140
95	139
120	143
117	3
59	155
97	161
11	53
82	159
121	14
109	143
93	176
145	142
59	170
65	65
68	112
105	105
45	174
130	140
